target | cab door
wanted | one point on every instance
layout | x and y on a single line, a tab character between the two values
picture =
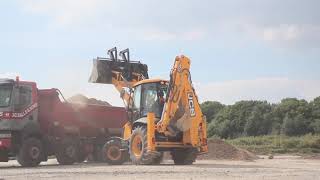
135	106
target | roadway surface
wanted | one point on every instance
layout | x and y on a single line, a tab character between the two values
281	167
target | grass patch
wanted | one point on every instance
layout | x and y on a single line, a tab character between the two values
307	144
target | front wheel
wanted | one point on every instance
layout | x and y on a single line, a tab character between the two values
138	147
30	153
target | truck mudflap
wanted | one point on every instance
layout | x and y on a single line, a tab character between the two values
5	145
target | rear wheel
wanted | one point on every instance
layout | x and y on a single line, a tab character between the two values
114	153
184	156
30	153
67	152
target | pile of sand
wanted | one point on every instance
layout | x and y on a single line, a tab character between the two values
220	150
81	99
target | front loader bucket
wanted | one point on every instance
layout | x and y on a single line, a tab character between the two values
106	68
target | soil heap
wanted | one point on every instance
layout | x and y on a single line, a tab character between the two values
220	150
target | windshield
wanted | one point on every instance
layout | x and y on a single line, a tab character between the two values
5	95
153	96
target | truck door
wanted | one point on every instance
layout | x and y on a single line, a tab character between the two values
23	98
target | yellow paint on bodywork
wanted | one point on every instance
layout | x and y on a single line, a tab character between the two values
151	131
127	131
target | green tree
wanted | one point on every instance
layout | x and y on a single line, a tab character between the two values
315	108
296	125
241	119
210	109
260	120
295	117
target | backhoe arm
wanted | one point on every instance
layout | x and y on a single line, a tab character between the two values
182	110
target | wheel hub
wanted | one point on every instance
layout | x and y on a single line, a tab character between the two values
34	152
136	146
114	153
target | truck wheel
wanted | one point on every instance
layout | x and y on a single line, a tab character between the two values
184	156
138	147
30	153
67	153
113	153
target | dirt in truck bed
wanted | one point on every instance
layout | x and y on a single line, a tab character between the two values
81	99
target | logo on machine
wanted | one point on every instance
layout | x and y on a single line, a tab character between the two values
25	112
13	115
191	105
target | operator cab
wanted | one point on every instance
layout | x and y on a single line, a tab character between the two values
148	96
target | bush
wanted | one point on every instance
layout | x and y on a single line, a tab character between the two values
279	144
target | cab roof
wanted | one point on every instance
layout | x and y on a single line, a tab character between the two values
6	81
146	81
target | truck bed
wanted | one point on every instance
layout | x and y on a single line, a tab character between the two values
88	120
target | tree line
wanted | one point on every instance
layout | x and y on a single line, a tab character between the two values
291	117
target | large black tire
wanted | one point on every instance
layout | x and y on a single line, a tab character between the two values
138	147
67	152
184	156
114	153
30	153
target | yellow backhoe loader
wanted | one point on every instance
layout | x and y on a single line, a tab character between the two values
163	115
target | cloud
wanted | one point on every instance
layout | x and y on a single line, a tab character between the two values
281	23
162	35
270	89
287	35
66	12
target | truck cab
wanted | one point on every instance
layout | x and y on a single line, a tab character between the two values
18	115
37	123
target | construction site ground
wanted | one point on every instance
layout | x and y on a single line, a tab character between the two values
281	167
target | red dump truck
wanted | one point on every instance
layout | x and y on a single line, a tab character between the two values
38	123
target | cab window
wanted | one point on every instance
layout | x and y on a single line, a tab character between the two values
137	98
5	95
23	98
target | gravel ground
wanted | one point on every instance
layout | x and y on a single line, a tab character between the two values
281	167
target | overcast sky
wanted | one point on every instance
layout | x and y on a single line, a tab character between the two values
240	49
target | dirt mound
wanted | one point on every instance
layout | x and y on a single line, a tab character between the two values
219	149
81	99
